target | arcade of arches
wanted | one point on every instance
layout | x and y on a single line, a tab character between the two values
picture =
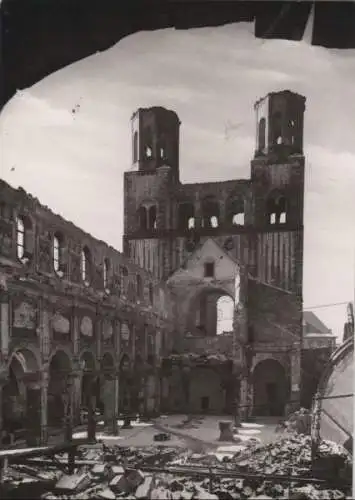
39	398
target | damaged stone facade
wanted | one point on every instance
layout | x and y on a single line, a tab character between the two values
240	238
80	323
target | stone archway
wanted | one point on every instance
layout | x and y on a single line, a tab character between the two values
90	384
19	404
270	388
107	396
60	369
210	312
137	387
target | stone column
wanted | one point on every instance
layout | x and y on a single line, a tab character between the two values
44	408
4	322
295	363
115	431
75	330
36	408
76	376
3	381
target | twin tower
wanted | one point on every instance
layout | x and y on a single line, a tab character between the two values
165	220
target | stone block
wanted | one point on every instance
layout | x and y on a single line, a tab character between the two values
226	431
162	436
134	478
144	490
101	471
73	483
117	470
120	484
106	494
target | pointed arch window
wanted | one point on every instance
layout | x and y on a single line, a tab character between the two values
148	143
210	212
262	134
24	238
20	237
58	253
277	128
186	216
236	211
85	265
276	209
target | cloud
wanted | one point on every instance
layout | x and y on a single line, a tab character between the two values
210	76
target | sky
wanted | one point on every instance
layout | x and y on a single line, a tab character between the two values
74	161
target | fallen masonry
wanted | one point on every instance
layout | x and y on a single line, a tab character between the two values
278	470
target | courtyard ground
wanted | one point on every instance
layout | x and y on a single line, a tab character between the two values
205	428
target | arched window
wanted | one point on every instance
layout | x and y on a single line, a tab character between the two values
58	253
20	237
186	213
139	285
225	314
24	239
277	127
85	265
210	212
261	134
106	273
235	211
135	147
148	143
276	209
191	223
152	217
143	219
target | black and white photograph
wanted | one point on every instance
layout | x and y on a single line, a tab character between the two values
177	255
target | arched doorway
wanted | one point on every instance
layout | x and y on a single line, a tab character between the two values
107	401
60	367
20	407
270	387
90	384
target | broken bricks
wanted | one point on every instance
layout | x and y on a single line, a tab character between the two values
73	483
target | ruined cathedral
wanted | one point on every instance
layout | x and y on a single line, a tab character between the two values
83	324
239	238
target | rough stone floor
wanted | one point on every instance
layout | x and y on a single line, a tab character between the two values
201	427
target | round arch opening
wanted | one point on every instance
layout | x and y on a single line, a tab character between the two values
270	388
60	367
211	313
90	385
16	394
106	395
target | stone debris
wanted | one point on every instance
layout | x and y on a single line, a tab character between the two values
125	477
144	490
74	482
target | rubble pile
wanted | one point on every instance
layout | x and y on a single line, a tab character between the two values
107	473
298	422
